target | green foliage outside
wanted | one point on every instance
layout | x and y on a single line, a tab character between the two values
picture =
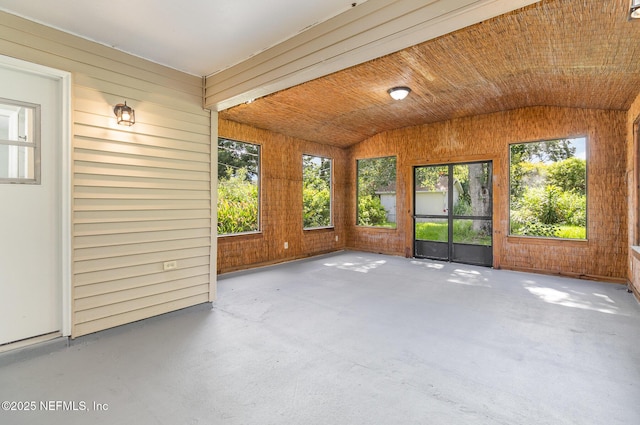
316	207
548	190
374	175
436	230
238	197
427	177
463	232
463	207
316	191
237	204
234	155
370	211
570	175
571	232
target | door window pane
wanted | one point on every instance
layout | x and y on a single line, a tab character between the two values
19	142
432	229
473	232
431	193
472	190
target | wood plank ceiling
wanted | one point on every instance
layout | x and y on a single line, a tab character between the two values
572	53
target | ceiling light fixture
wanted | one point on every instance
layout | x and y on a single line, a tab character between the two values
634	11
399	93
125	115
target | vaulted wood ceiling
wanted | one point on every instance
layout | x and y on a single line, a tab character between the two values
573	53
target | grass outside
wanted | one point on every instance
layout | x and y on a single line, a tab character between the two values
572	232
386	225
463	232
564	231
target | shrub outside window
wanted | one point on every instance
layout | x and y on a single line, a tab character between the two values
316	192
376	192
548	189
238	187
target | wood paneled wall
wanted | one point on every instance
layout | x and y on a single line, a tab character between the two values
487	137
633	185
281	202
141	194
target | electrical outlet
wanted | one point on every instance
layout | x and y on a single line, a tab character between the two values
336	238
169	265
286	245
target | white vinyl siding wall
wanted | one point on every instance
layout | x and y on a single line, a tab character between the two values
141	195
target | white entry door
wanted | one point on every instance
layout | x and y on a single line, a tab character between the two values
30	205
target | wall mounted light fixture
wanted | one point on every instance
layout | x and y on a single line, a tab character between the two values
634	11
399	93
125	115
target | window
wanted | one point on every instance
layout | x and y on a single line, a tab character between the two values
19	142
377	192
238	187
548	189
316	192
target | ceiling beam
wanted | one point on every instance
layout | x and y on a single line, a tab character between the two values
370	30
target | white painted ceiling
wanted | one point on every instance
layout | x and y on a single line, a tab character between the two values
199	37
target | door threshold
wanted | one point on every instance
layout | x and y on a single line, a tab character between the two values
16	345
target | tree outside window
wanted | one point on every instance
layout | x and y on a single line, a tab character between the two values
316	191
377	192
548	189
238	187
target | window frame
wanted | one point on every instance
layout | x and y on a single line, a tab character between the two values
331	224
636	143
258	184
554	238
35	162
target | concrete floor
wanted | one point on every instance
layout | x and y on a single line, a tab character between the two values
352	339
